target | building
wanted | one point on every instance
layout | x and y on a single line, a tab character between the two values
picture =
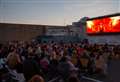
57	31
26	32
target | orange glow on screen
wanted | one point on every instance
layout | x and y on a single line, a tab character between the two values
108	24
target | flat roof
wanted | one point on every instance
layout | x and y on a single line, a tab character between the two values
31	24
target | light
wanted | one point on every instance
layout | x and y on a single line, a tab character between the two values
90	24
115	20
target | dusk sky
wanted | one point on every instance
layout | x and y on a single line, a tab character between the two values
54	12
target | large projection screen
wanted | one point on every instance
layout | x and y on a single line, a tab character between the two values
103	25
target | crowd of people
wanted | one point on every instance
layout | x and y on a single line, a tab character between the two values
39	62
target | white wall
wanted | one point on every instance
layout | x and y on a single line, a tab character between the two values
110	39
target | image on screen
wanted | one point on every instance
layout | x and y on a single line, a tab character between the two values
103	25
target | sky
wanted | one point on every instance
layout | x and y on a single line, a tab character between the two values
54	12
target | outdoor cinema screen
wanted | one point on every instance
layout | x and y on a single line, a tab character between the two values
104	25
